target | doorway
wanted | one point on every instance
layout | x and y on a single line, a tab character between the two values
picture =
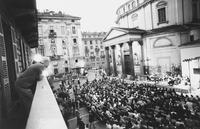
127	64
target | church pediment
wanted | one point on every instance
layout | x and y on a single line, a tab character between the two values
113	33
117	32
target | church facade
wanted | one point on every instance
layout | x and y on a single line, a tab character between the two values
150	35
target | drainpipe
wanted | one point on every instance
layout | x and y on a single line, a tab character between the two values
183	12
151	16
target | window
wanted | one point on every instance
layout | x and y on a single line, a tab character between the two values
161	8
51	27
191	37
92	53
75	41
66	70
73	20
40	30
73	30
90	42
91	47
86	51
101	47
63	42
162	42
129	7
52	40
102	53
85	42
161	15
133	4
75	51
134	16
13	34
55	71
62	30
119	12
41	49
40	42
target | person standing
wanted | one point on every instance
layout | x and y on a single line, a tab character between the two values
91	120
81	124
128	124
25	84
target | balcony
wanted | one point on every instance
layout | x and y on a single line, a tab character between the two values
52	34
45	113
55	58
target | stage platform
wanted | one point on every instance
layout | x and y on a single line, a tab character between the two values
181	88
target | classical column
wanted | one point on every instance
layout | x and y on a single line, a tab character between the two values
122	59
107	61
142	57
131	59
114	61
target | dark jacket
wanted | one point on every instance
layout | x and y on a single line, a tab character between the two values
28	79
81	125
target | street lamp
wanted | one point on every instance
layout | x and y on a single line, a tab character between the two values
188	61
198	58
147	69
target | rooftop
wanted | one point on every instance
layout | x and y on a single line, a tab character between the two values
52	14
94	33
24	16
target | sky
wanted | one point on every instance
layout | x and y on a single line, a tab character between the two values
96	15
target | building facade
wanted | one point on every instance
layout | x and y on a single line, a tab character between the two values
18	34
60	39
94	51
149	35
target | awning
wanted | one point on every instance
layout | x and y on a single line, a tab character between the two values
24	13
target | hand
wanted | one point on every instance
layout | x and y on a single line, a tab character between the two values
41	77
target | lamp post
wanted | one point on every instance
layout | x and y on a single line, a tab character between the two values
188	61
198	58
147	69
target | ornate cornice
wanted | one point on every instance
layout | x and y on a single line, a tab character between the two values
145	3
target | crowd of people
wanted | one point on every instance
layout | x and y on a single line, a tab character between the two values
117	103
66	95
130	106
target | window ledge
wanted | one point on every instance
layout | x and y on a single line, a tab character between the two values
163	22
45	113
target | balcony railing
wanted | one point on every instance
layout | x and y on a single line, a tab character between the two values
45	113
